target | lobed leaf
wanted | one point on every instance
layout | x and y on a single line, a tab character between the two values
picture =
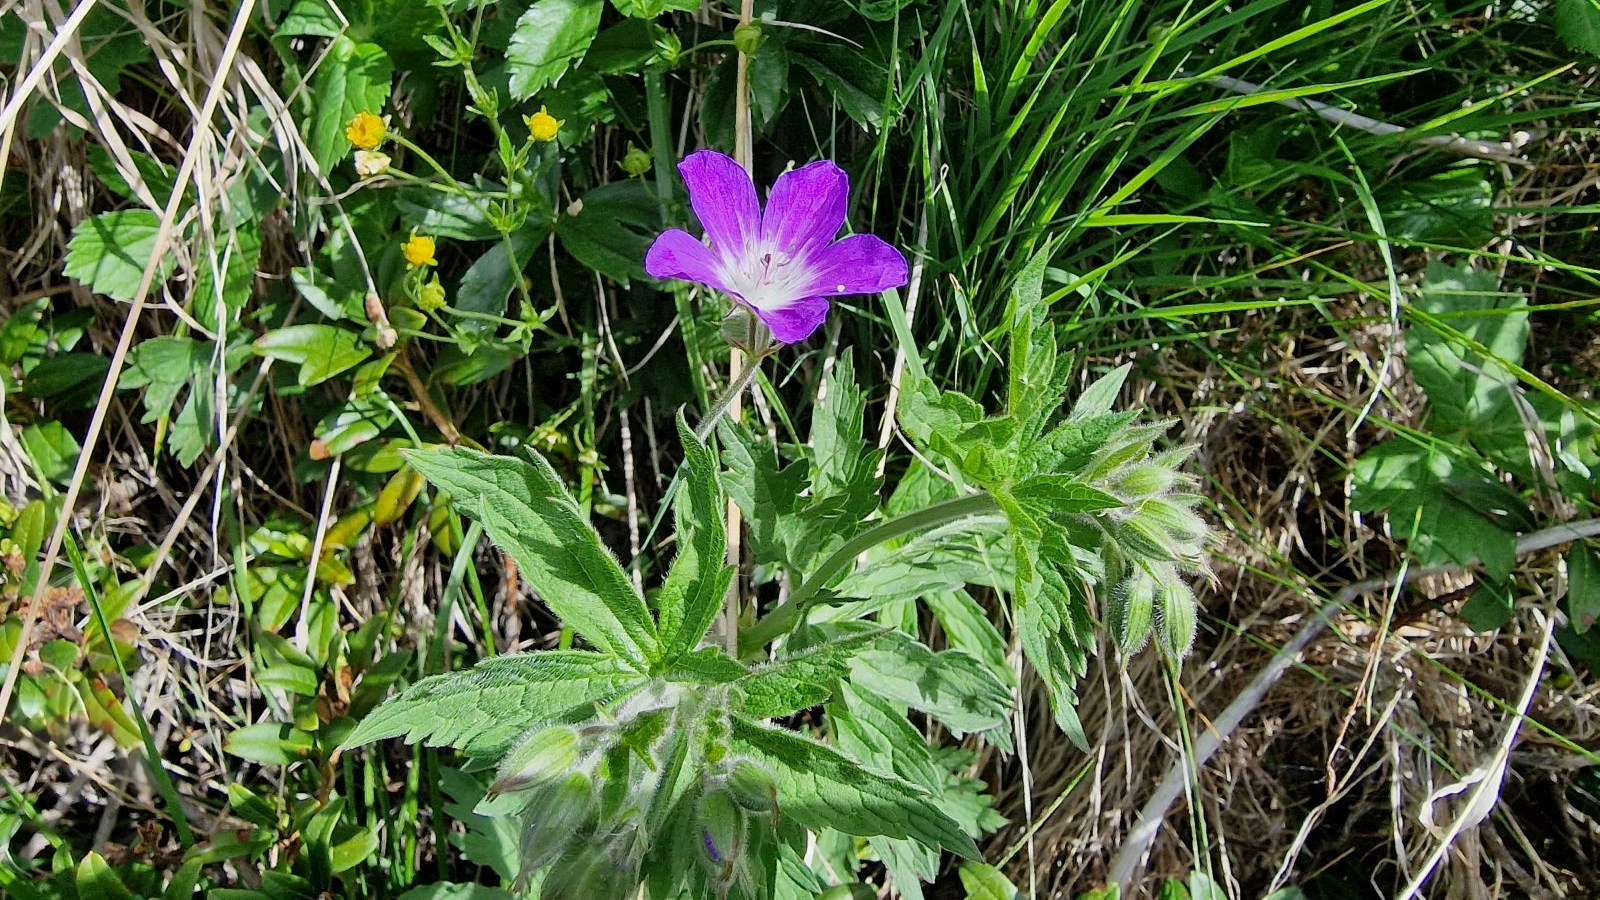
698	581
485	709
822	788
527	511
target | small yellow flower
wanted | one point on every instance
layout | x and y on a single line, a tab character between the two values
431	295
419	251
371	163
542	125
366	130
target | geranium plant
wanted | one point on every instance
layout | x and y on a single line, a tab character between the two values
650	756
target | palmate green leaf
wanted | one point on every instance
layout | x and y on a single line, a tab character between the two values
109	252
527	511
162	365
1072	445
216	303
1037	372
804	679
933	418
489	841
485	709
945	559
1430	494
950	686
871	729
1053	627
1470	397
549	38
819	787
698	580
768	496
837	451
854	81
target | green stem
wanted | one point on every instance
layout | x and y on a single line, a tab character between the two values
782	619
726	398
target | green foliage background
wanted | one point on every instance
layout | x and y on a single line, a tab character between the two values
216	359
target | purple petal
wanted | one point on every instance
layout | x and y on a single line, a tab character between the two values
677	254
805	209
859	264
795	322
724	199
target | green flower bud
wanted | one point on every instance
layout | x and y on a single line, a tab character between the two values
543	757
1182	524
722	825
1175	630
1143	481
1143	538
431	296
669	47
1130	610
635	162
553	818
752	787
591	871
748	37
742	328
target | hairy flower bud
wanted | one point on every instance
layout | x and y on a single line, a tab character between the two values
752	787
1175	630
591	871
1130	610
1143	480
722	823
543	757
554	817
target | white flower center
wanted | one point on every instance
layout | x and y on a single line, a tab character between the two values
767	277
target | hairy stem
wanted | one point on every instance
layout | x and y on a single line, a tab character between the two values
726	400
783	618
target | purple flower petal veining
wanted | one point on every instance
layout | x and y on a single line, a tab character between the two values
806	208
859	264
723	197
678	254
782	263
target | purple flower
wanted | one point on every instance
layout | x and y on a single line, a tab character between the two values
783	263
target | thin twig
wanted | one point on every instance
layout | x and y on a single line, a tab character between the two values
1148	824
1502	151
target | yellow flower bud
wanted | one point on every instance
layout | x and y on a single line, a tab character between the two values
366	130
431	295
543	126
419	251
371	163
